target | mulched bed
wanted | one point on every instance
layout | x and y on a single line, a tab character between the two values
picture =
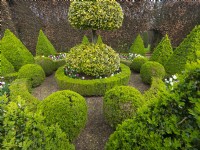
96	132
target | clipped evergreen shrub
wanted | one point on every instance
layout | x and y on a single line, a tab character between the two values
24	129
99	40
169	122
103	14
46	63
44	46
185	52
162	52
14	50
33	72
68	109
138	46
6	66
121	103
85	40
93	59
151	69
59	63
11	77
91	87
137	63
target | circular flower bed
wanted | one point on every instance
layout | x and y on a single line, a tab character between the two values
94	86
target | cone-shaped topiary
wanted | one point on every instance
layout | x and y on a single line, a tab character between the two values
85	40
163	51
138	46
44	46
46	63
99	40
151	69
93	59
68	109
185	52
137	63
14	50
6	66
121	103
33	72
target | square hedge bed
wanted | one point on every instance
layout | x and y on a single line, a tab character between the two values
95	87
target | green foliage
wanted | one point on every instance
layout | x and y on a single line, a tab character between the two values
137	63
6	66
138	46
91	87
121	103
22	88
104	15
59	63
46	63
11	77
162	52
85	40
23	129
185	52
99	40
151	69
93	59
32	72
170	121
14	50
44	46
68	109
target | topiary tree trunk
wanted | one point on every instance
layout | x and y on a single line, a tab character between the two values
94	36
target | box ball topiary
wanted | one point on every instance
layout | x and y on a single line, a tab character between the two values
32	72
137	63
68	109
46	63
93	59
151	69
6	66
121	103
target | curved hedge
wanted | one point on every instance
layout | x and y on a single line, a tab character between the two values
68	109
151	69
46	63
6	66
15	51
137	63
32	72
92	87
121	103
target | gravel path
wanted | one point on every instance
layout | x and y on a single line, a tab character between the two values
96	132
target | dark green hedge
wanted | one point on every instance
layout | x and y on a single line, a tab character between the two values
92	87
14	50
59	63
68	109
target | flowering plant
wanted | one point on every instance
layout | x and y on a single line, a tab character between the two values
4	87
59	56
129	56
171	81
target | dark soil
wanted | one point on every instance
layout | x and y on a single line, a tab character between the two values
96	132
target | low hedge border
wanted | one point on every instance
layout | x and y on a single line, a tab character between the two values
96	87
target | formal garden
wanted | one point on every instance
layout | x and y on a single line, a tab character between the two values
93	97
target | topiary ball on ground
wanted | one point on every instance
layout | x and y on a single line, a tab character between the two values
151	69
121	103
137	63
93	59
68	109
32	72
46	63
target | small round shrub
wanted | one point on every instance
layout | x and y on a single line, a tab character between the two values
93	59
6	66
46	63
121	103
68	109
137	63
32	72
151	69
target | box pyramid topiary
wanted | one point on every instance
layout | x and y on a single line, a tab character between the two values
138	46
163	51
15	51
185	52
85	40
6	66
44	46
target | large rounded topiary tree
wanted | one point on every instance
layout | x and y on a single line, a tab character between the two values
95	15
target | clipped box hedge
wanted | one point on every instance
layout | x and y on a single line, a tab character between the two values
95	86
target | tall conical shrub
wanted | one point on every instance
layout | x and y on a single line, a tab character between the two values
6	66
85	40
185	52
15	51
44	46
163	51
138	46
